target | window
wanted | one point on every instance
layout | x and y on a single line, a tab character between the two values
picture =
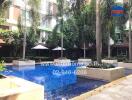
28	15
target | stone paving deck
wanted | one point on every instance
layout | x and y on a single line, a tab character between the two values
120	91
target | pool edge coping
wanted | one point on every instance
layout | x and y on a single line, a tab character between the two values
16	86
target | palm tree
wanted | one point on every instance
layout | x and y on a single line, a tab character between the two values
25	34
84	15
35	4
59	26
98	32
103	18
107	22
130	33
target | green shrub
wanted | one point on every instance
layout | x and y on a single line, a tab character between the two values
2	65
9	59
127	61
112	58
121	58
103	65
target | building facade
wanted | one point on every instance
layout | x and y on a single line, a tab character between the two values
121	43
48	11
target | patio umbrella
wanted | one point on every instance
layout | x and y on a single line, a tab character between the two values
39	47
58	49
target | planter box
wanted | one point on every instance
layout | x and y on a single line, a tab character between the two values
23	64
125	65
13	88
104	74
62	62
113	62
84	61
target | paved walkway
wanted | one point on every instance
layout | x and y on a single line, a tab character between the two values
118	91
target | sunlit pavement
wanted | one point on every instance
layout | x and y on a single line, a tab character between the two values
120	91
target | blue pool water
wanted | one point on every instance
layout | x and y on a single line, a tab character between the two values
58	82
50	76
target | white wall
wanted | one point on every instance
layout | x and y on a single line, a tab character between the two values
119	1
127	25
53	22
43	7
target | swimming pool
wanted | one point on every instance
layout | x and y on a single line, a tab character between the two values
58	82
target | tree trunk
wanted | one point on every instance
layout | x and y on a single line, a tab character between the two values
40	37
130	38
98	33
62	40
109	49
84	50
62	44
24	39
61	23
